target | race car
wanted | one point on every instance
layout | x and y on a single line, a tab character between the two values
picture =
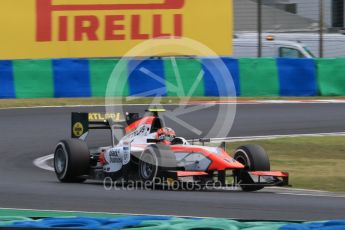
151	152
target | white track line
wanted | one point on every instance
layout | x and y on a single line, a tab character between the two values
249	102
312	194
304	192
42	162
271	137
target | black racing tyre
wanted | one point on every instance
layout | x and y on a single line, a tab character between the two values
254	158
154	160
71	161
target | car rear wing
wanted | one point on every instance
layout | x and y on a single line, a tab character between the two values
81	123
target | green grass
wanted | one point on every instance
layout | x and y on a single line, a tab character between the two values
5	103
313	162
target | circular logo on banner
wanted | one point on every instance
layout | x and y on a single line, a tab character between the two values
78	129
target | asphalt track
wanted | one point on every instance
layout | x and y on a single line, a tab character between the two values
26	134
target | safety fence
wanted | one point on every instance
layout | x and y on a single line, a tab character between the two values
251	76
161	223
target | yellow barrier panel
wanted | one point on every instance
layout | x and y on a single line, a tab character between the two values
105	28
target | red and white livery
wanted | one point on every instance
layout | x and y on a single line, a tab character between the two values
151	152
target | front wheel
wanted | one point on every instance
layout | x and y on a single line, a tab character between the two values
71	161
148	166
154	161
254	158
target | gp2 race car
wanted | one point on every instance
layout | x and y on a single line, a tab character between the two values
149	151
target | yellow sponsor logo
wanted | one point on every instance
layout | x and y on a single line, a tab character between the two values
78	129
108	28
103	117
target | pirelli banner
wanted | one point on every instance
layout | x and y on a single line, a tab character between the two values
106	28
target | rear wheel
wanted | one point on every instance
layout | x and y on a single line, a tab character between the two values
254	158
71	161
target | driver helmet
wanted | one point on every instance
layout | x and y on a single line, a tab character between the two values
166	134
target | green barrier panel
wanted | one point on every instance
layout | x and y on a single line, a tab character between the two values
161	223
8	220
331	76
13	213
33	79
184	77
259	77
210	223
100	72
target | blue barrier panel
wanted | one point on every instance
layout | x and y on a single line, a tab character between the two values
6	80
71	78
87	222
161	222
251	77
322	225
297	77
212	70
233	67
146	78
